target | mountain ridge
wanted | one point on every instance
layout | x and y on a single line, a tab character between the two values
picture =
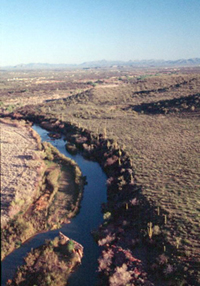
106	63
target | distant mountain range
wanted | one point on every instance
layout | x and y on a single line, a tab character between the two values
104	63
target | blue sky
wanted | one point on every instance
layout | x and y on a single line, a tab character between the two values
63	31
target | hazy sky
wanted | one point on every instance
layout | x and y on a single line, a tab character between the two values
75	31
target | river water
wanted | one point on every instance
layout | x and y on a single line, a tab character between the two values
88	219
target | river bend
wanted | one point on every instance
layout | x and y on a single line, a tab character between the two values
88	219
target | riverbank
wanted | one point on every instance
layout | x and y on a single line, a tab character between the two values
58	180
49	264
79	228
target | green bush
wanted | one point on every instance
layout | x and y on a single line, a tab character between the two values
70	246
10	108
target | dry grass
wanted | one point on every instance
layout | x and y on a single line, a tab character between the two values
18	168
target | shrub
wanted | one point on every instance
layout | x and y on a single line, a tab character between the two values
10	108
23	228
107	240
107	215
106	260
48	151
70	246
121	276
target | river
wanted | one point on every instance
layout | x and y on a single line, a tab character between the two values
88	219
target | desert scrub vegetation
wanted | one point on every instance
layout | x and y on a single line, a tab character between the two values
17	231
50	264
62	188
155	120
53	153
57	196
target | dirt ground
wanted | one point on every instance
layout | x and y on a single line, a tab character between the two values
18	167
